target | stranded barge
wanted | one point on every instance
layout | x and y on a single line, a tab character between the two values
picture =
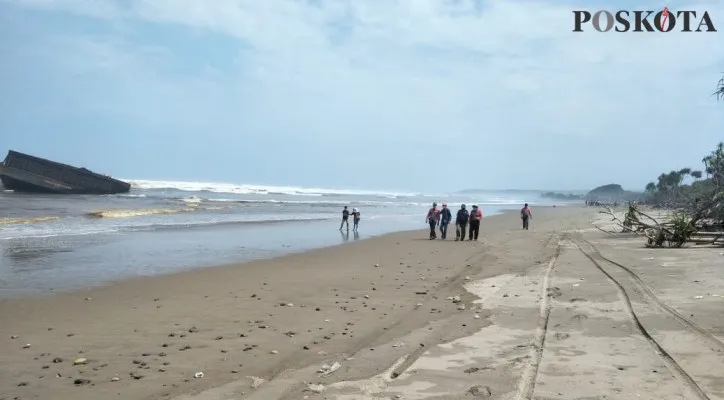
25	173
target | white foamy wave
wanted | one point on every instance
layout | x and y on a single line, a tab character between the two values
256	189
137	213
318	202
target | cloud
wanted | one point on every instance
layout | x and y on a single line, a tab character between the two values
484	85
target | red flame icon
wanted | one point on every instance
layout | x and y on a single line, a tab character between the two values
664	18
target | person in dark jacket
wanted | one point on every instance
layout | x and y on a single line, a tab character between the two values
475	216
526	215
445	218
461	223
345	218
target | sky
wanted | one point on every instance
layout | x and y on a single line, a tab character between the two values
365	94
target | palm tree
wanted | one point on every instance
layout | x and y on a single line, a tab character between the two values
719	93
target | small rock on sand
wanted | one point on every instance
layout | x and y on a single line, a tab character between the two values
480	391
318	388
256	381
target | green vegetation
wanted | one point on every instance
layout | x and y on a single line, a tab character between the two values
612	193
561	196
699	194
693	200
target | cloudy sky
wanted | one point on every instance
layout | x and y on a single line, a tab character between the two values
373	94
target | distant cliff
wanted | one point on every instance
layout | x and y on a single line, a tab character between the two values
612	193
561	196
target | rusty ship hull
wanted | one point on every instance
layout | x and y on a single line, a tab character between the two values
21	172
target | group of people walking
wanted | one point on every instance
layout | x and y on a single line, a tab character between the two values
463	219
465	222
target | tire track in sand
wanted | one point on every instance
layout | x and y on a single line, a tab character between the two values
673	366
526	385
716	344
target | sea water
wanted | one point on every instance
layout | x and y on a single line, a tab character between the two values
51	243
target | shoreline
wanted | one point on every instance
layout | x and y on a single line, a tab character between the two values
259	318
270	253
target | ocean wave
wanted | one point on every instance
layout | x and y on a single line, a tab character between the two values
94	230
318	203
13	221
137	212
257	189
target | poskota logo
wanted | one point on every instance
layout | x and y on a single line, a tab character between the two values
644	21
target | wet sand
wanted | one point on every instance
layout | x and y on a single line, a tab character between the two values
403	316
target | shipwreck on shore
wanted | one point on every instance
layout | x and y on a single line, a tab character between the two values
25	173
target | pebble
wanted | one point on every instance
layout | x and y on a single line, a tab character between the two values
27	346
274	352
80	361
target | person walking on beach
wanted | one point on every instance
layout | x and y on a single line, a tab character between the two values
445	218
461	223
345	218
355	219
475	216
432	218
526	215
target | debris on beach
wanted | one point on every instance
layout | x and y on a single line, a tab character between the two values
327	369
199	375
80	361
256	381
315	388
26	346
480	391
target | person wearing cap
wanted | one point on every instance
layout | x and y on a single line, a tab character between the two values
461	223
445	218
432	218
475	216
355	218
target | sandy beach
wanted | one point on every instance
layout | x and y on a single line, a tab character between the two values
518	315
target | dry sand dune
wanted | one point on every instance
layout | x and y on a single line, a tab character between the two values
519	315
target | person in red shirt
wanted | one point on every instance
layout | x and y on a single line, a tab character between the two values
432	218
526	215
475	216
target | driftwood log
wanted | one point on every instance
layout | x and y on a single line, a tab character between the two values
677	231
